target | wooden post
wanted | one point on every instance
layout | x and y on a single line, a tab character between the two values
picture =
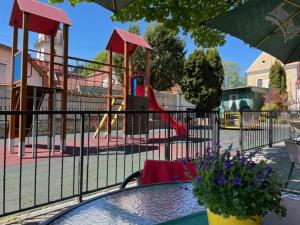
23	86
109	93
147	72
51	86
126	75
65	86
12	119
131	69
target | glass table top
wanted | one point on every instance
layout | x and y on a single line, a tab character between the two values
142	205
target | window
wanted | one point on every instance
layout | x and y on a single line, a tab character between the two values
2	73
259	82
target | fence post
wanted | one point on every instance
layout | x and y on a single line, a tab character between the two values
167	146
241	130
290	130
80	174
217	124
187	134
270	128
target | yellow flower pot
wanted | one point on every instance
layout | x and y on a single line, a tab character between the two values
214	219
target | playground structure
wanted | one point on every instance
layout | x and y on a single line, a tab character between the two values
73	76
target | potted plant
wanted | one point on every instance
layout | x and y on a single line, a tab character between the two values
236	189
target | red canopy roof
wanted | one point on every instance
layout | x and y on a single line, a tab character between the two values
44	19
119	37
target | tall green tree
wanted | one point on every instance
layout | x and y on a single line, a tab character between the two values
101	57
203	79
277	77
185	15
167	57
233	78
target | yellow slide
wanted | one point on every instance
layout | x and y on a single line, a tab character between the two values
105	117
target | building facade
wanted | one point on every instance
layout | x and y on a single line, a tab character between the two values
258	76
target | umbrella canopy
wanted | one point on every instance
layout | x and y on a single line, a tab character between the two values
113	5
272	26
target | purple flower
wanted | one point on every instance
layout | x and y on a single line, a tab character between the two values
252	165
238	153
198	179
202	165
218	145
252	154
227	164
243	160
237	181
269	169
210	157
221	180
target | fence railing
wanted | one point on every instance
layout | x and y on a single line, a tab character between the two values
47	174
263	128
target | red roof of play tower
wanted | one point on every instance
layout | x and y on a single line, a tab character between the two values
44	19
119	37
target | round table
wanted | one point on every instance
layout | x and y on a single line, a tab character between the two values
170	203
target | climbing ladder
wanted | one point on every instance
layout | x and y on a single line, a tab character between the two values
105	118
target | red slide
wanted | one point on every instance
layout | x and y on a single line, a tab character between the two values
180	128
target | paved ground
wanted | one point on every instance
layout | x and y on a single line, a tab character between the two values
108	167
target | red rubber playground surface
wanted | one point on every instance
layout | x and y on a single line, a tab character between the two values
93	146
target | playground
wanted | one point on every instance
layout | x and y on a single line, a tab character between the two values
64	76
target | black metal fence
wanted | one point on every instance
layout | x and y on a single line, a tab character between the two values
46	174
263	128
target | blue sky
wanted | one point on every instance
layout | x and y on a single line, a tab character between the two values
92	27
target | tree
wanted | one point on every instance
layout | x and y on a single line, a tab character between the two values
167	57
278	77
185	15
233	77
279	101
203	78
101	57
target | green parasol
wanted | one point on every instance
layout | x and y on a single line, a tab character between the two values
272	26
113	5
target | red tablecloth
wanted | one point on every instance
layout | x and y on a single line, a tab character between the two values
156	171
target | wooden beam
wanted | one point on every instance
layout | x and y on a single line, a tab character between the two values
109	93
126	75
23	87
65	85
131	69
12	118
147	77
